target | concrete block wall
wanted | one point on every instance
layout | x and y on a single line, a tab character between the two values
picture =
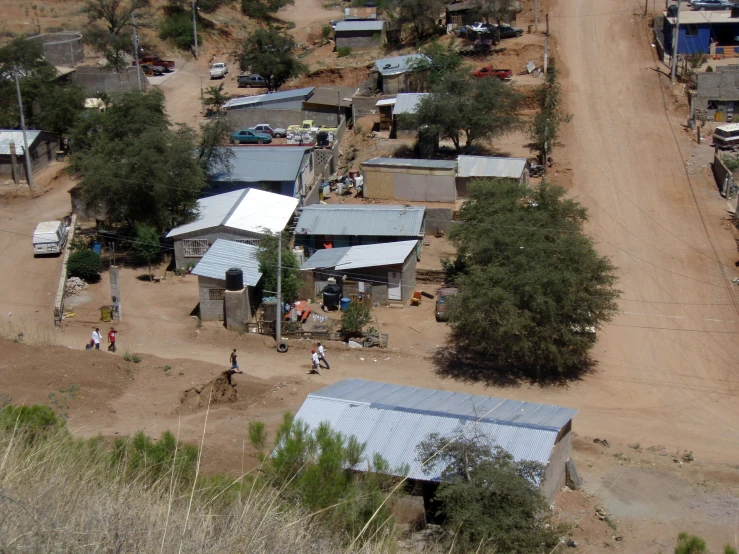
243	118
358	42
97	79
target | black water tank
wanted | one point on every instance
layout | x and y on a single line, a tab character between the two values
234	279
734	11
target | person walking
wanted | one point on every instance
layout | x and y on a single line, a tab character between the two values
315	364
234	362
322	355
111	339
96	336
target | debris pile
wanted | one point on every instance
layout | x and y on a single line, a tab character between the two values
219	390
74	285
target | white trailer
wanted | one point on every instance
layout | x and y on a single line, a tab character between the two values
49	238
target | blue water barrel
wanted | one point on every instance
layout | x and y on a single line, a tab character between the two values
345	304
97	247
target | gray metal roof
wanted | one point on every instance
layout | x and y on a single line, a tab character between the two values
350	26
8	136
392	420
406	162
484	166
398	64
365	255
407	103
325	258
268	98
251	164
225	254
381	221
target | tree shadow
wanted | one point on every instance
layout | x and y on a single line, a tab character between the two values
457	363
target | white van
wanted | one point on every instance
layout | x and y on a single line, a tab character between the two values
726	136
49	238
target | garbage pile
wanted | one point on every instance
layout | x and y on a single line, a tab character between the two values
74	285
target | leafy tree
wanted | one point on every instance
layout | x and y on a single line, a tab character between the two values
84	264
212	157
495	10
460	105
487	498
421	15
544	132
109	28
534	288
442	60
355	318
177	27
263	9
147	245
135	166
269	52
214	98
267	258
60	108
690	544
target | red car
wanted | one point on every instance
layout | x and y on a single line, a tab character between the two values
489	71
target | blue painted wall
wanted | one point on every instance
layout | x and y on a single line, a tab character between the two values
688	44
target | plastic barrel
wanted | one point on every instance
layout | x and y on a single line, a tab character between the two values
97	248
234	279
345	304
105	313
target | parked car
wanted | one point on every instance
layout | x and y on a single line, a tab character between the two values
702	5
150	70
49	237
253	80
506	31
250	136
490	71
156	61
442	313
218	70
268	130
479	27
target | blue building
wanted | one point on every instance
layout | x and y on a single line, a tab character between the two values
712	32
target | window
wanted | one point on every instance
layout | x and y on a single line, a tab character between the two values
195	247
691	30
253	242
216	294
712	105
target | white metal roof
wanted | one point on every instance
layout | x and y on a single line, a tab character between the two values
386	102
392	420
487	166
361	220
407	102
246	210
269	97
728	127
225	254
399	64
366	255
349	26
715	17
8	136
411	162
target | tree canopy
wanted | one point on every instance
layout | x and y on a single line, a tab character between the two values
109	27
533	290
147	245
267	258
263	9
544	130
486	498
441	61
421	15
466	110
135	165
269	52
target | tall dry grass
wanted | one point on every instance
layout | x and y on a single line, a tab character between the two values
24	332
61	494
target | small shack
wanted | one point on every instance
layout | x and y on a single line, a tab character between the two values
406	104
489	167
359	34
702	32
392	420
211	271
409	179
401	74
388	270
41	144
717	93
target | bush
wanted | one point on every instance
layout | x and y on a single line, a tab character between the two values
135	358
177	27
344	51
32	422
355	318
84	264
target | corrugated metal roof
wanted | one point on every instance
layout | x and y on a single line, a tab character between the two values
382	221
225	254
406	162
267	98
325	258
386	102
350	26
392	420
329	96
484	166
366	255
407	103
8	136
246	210
398	64
462	6
251	164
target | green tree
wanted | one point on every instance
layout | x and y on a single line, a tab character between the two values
486	498
269	52
214	98
147	245
534	288
690	544
84	264
267	257
60	108
177	27
109	28
421	15
135	165
496	10
355	318
544	131
263	9
466	110
442	60
212	157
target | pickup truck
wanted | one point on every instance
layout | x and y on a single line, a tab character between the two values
156	61
490	71
218	70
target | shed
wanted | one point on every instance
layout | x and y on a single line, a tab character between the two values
286	170
240	216
489	167
211	272
717	93
467	13
405	104
705	32
388	269
392	420
42	145
359	34
409	179
334	226
400	74
329	101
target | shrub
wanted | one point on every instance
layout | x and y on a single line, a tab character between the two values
84	264
33	422
355	318
344	51
135	358
177	27
709	69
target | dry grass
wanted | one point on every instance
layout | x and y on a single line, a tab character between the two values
33	334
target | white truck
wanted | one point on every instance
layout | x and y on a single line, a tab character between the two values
218	70
49	238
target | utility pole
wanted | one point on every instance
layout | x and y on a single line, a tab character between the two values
278	319
536	16
26	153
195	28
136	50
675	35
646	7
546	48
338	109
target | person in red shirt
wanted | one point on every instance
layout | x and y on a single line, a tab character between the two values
111	339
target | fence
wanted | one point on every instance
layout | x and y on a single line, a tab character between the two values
61	291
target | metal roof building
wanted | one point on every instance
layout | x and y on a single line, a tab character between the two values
265	100
392	420
8	136
399	64
407	102
412	162
484	166
411	180
42	146
363	220
371	26
355	257
250	164
225	254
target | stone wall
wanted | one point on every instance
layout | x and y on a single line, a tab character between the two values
94	80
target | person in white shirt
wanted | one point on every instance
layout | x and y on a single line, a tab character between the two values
96	336
316	366
322	355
